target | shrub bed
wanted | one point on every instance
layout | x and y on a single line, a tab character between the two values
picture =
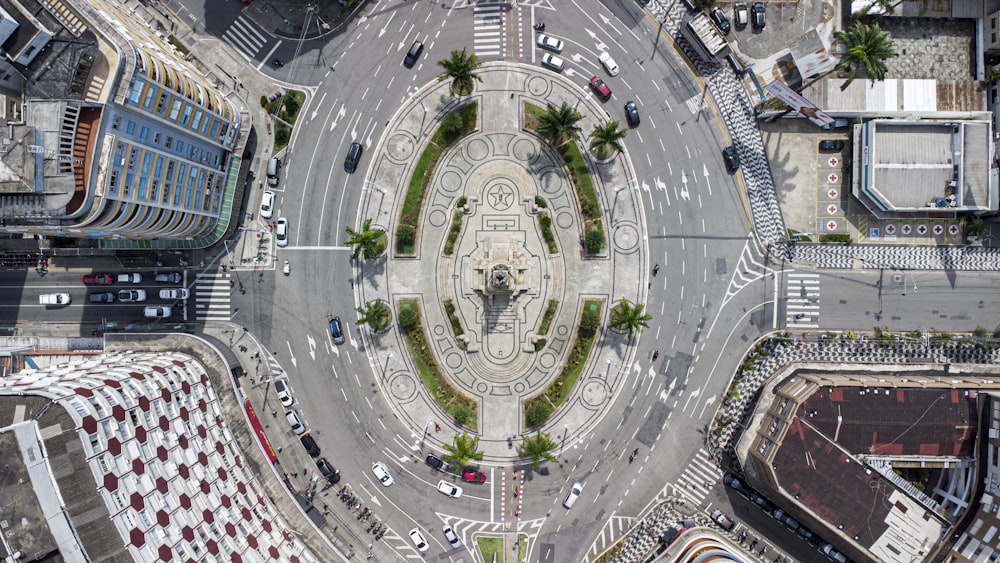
424	170
456	404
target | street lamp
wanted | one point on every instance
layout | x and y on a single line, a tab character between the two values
631	185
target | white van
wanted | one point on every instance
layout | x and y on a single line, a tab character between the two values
57	299
272	171
572	495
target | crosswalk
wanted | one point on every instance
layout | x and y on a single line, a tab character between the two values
212	293
802	301
700	475
615	528
246	37
487	23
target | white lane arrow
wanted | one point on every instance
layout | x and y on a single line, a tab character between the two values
291	355
708	402
315	112
312	346
705	174
340	114
684	189
382	31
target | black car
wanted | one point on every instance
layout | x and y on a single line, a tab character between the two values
106	297
326	468
413	54
732	159
353	157
757	15
631	114
336	331
310	445
830	145
721	21
435	462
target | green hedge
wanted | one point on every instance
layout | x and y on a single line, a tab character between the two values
453	232
548	316
545	224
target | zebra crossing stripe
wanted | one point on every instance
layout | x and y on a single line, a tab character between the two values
245	38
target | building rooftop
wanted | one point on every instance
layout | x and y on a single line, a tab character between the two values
873	421
916	166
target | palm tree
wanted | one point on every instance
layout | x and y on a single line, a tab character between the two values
538	447
867	49
558	122
628	316
369	241
461	69
606	138
375	314
463	449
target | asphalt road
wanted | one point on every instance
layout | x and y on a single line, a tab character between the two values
711	298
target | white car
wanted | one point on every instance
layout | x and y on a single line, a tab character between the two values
572	495
382	473
294	421
129	278
132	295
178	293
281	389
548	42
267	204
454	491
57	299
157	312
418	540
609	64
281	232
452	538
553	62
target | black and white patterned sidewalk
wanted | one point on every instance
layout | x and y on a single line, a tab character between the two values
897	257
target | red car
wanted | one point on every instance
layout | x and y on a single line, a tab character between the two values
98	279
600	88
473	476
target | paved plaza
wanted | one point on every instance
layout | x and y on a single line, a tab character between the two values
500	169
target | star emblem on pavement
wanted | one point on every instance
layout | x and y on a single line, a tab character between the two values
501	197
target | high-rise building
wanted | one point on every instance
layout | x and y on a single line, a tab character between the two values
109	132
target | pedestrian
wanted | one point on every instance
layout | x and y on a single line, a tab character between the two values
223	267
437	427
304	470
243	290
656	269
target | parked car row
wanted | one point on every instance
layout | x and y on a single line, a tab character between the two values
324	466
128	278
756	16
780	515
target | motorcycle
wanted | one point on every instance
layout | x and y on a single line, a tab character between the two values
288	268
539	26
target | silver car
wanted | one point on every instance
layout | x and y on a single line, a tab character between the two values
294	421
281	232
549	42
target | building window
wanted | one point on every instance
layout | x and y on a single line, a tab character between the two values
118	120
156	138
130	128
169	141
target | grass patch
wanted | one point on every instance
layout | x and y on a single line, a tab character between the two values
456	229
836	237
490	546
559	389
545	224
285	115
548	316
445	395
440	141
579	175
522	547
